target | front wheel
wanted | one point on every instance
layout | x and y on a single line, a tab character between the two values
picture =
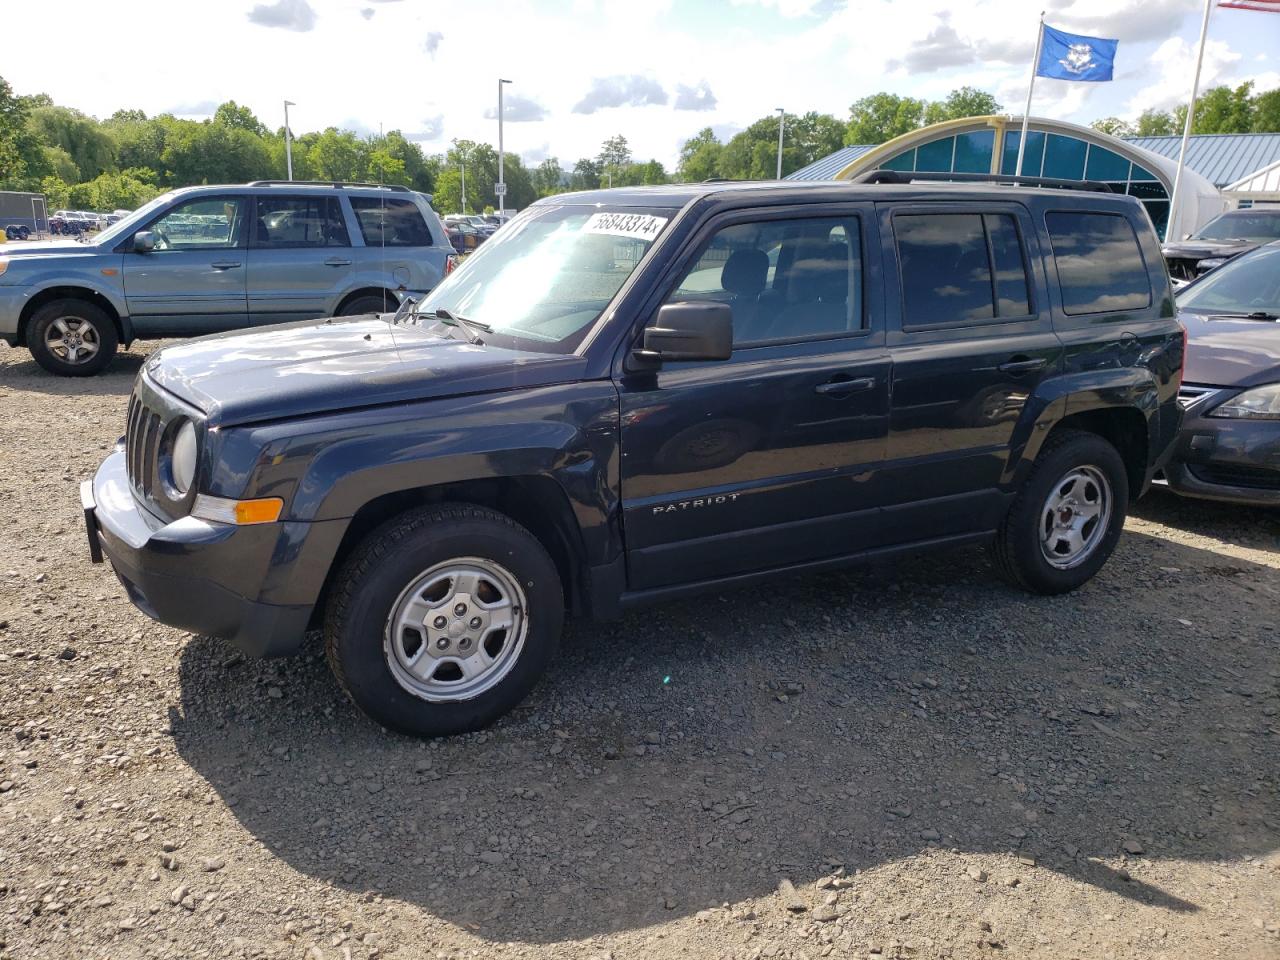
72	338
369	304
1066	520
444	619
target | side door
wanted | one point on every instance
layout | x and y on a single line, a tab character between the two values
971	336
300	257
763	460
193	281
399	249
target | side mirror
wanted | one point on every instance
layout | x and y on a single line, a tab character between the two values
690	331
144	241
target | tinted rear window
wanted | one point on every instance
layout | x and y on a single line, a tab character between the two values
960	268
1100	265
391	222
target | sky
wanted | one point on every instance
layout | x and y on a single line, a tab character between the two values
655	71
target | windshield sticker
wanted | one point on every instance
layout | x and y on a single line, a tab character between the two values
638	225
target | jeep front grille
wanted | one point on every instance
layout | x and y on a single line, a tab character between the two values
142	440
151	411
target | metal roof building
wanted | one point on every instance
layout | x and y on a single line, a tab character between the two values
1055	149
1221	158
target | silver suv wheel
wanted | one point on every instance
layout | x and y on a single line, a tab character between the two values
72	339
456	630
1075	517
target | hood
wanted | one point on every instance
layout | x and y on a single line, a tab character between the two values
1222	352
1201	249
327	365
44	248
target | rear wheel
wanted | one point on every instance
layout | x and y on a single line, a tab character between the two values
369	303
1066	520
72	338
444	619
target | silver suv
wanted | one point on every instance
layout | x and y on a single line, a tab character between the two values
213	258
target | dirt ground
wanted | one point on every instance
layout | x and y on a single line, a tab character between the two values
906	761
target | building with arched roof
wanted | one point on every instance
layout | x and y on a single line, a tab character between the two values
1055	148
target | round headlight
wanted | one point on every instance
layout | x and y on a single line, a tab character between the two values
182	458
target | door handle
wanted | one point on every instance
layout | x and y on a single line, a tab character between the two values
846	387
337	262
225	264
1022	365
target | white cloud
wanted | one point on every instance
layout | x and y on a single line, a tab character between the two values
1175	63
287	14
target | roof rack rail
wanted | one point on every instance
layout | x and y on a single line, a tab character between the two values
906	176
395	187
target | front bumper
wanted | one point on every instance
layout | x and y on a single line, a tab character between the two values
255	586
12	299
1222	459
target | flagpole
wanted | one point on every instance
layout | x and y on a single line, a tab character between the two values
1026	111
1186	127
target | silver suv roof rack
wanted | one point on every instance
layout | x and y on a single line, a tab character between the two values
906	176
394	187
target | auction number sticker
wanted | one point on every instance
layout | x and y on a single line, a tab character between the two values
641	226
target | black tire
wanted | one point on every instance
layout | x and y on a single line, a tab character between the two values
376	576
74	312
370	303
1017	552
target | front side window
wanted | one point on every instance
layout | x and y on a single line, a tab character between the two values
960	268
284	222
546	277
391	222
1100	265
783	279
209	223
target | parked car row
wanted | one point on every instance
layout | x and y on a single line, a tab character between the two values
468	231
1220	240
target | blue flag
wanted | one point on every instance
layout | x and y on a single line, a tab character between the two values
1069	56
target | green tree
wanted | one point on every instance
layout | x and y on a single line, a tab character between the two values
1224	110
881	117
960	103
384	168
127	116
141	142
1113	127
90	147
338	155
585	176
547	177
57	193
615	154
448	191
24	159
1266	112
231	114
115	191
700	157
1156	123
210	152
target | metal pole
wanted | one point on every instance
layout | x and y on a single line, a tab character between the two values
1026	111
502	188
1186	127
782	122
288	142
462	161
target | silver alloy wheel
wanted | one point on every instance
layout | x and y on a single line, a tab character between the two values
72	339
456	630
1075	517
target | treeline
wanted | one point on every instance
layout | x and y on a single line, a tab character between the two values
1219	110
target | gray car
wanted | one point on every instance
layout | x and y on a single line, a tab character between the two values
1229	447
213	258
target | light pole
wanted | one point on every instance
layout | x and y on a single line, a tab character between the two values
782	122
501	191
288	140
462	163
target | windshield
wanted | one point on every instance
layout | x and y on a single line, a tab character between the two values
1248	284
546	277
129	223
1242	226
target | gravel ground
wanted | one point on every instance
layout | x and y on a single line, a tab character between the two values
911	761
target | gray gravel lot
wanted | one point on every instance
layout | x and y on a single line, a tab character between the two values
911	761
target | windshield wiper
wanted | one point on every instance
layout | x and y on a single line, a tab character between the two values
1256	315
468	327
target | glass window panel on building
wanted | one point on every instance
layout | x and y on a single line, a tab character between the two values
936	156
903	161
1064	157
1031	161
973	151
1104	164
1140	173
